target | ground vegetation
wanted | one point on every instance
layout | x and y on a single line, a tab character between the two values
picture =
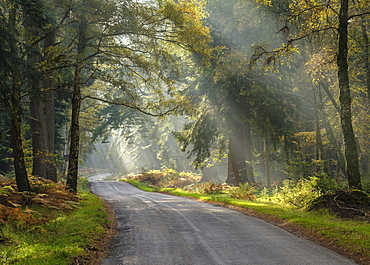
50	225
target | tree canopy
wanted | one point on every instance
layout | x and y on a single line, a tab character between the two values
278	88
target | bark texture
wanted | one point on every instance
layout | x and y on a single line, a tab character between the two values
15	114
353	169
19	162
72	174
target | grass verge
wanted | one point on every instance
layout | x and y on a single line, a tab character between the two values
348	237
66	239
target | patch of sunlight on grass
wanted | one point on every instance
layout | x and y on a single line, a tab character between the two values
44	254
60	240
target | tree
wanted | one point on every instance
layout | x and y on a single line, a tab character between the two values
328	24
126	45
353	168
41	92
13	74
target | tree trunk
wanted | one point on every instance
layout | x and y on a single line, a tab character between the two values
366	55
15	114
331	136
41	103
48	84
19	162
353	170
72	174
320	151
38	128
237	150
288	151
248	157
234	173
230	170
267	162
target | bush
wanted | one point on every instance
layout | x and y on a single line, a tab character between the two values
243	192
210	188
166	178
326	184
299	193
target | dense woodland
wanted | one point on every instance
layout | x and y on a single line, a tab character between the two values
246	90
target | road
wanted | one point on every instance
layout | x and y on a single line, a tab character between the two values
160	229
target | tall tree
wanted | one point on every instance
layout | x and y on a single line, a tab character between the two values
329	25
353	168
127	46
41	38
13	69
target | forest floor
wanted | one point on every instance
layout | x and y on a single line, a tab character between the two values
47	216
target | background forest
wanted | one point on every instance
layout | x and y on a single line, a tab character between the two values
244	90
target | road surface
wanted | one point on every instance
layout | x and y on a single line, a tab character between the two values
159	229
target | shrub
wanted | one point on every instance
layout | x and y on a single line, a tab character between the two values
299	193
326	184
166	178
210	188
243	192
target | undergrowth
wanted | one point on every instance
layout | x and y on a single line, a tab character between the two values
167	178
49	225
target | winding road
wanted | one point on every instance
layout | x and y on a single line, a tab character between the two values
159	229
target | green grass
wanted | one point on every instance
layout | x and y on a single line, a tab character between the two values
142	186
351	236
59	241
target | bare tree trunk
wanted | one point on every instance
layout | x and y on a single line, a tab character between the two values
38	128
267	161
37	102
230	170
15	114
72	174
19	162
288	153
353	169
234	177
320	152
41	102
367	56
331	136
48	84
248	157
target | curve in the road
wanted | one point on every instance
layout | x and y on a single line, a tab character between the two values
160	229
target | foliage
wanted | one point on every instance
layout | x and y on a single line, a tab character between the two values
327	184
298	193
62	239
209	188
245	191
201	135
18	207
166	178
49	225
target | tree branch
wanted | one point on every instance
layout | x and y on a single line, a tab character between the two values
132	107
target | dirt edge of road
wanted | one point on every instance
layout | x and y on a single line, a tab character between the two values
96	253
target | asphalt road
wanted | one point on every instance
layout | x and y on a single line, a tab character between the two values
159	229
